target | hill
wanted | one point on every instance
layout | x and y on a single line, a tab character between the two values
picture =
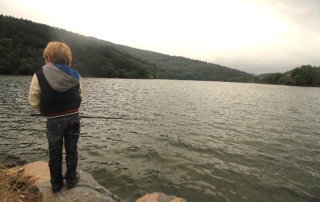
22	43
177	67
286	73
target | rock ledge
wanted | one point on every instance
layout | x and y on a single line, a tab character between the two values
87	188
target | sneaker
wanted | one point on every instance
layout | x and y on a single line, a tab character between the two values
74	182
56	188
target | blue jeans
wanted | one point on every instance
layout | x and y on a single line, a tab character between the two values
58	129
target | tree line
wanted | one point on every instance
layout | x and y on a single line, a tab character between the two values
22	43
305	75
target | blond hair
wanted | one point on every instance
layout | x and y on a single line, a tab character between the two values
57	52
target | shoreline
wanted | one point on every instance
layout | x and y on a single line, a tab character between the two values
87	188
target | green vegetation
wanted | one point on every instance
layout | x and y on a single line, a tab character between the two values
22	43
305	75
174	67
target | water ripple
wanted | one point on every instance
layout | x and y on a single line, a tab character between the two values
203	141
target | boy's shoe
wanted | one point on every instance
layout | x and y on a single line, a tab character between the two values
56	188
74	182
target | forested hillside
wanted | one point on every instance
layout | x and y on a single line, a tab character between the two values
22	43
180	67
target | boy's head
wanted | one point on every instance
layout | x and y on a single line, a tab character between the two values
58	53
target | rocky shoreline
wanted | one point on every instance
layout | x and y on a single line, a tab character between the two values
87	188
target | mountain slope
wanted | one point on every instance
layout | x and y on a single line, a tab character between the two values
22	43
180	67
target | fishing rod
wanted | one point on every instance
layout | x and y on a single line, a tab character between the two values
90	117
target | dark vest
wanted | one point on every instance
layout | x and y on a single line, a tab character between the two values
54	103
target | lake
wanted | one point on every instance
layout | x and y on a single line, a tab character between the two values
200	140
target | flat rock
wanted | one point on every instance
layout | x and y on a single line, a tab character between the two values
160	197
87	188
10	160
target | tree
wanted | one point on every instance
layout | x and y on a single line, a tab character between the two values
273	78
305	75
285	80
25	69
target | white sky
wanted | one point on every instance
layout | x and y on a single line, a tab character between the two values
256	36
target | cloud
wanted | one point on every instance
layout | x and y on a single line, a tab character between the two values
296	43
302	13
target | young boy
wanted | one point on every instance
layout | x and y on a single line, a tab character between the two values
56	92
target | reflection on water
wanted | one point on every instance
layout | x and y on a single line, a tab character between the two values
203	141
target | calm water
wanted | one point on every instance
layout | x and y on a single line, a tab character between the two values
202	141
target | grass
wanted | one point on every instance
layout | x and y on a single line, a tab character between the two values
17	187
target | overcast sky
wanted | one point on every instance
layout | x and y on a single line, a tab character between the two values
256	36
